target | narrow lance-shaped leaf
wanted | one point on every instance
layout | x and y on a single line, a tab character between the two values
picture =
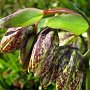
42	24
26	51
74	23
68	4
21	18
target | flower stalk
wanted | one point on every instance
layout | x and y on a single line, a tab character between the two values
88	71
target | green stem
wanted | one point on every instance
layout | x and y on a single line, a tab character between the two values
59	10
88	80
88	34
88	71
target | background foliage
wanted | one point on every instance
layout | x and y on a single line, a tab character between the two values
12	77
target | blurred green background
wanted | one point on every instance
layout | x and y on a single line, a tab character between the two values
12	77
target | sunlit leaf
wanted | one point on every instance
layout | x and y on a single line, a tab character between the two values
21	18
69	22
72	23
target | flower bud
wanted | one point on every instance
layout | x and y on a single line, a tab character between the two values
14	38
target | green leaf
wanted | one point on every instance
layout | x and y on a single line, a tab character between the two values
26	51
69	22
73	23
42	24
87	55
68	4
22	18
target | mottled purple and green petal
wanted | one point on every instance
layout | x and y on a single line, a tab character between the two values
72	76
14	38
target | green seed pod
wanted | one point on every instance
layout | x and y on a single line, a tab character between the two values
14	38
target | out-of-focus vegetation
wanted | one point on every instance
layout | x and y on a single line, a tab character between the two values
9	6
12	77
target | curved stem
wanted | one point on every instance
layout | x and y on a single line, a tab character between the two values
59	10
88	71
88	34
88	80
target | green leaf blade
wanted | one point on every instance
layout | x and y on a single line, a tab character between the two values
22	18
72	23
42	24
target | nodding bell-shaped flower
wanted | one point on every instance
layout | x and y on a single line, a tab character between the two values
43	54
63	64
14	38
